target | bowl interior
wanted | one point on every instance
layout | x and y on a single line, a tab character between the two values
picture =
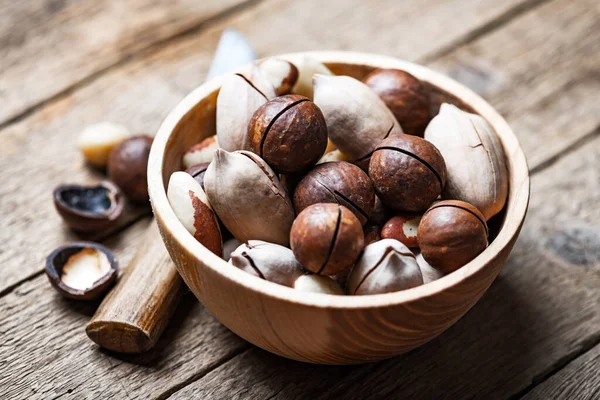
195	119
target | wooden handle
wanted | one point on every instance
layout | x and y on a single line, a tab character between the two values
134	314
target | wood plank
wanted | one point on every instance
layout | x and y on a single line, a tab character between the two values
45	353
579	380
541	72
523	326
48	46
141	93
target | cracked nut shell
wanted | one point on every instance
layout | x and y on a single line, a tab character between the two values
385	266
128	165
451	234
82	270
403	227
405	96
89	209
408	172
289	133
337	182
326	238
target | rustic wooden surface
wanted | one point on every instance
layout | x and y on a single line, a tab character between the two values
534	334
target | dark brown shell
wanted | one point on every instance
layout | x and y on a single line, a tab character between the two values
59	257
408	172
128	165
337	182
289	133
326	238
405	96
89	209
451	234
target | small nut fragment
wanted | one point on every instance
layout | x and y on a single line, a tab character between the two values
326	238
289	133
307	68
128	165
403	228
430	274
82	270
192	208
197	172
240	95
89	209
357	119
282	74
317	284
408	172
97	140
268	261
451	234
405	96
201	152
337	182
385	266
474	159
248	197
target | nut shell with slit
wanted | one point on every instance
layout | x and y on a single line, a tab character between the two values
289	133
326	238
337	182
408	172
451	234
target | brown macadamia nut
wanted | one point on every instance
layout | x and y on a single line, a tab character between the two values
405	96
128	165
408	172
451	234
385	266
289	133
403	228
337	182
326	238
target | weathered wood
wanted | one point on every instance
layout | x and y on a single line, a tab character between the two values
579	380
546	84
45	353
138	308
141	93
544	306
47	46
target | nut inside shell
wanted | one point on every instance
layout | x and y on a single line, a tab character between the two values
82	270
89	208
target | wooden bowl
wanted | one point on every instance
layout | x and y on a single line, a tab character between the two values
320	328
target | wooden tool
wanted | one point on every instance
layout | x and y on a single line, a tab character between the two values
135	313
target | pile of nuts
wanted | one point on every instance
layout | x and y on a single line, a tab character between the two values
327	184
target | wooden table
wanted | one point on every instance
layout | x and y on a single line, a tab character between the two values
66	64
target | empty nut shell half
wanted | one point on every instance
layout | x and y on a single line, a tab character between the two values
189	202
408	172
289	133
89	209
326	238
82	270
451	234
385	266
337	182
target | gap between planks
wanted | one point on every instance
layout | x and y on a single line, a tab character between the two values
152	47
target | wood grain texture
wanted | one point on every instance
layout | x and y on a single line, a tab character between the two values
141	93
546	85
314	327
136	311
45	353
524	327
47	46
579	380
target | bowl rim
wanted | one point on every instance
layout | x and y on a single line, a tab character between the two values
517	201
